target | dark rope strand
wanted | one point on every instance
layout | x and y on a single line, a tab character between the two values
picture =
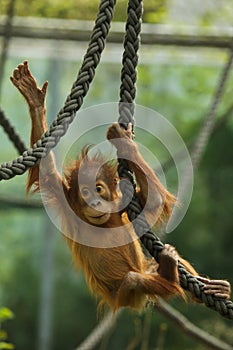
73	102
129	63
126	116
154	246
134	210
12	134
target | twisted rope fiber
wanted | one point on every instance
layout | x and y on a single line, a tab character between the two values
12	134
129	63
74	100
128	187
126	116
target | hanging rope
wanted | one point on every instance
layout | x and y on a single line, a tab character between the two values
74	100
12	134
128	188
129	63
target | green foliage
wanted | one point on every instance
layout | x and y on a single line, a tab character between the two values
6	346
5	314
154	10
219	15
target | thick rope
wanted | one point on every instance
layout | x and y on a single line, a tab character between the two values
73	102
12	134
129	63
134	210
126	116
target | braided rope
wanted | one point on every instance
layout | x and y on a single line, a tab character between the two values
129	63
126	116
74	100
12	134
134	210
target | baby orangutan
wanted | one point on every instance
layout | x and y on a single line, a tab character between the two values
121	275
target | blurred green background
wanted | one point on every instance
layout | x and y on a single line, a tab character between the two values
52	306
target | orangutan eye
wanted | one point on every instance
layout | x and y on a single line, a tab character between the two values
99	189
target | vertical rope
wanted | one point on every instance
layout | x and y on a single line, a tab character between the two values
126	116
129	63
128	186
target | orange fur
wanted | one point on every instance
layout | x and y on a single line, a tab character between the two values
33	176
121	275
106	269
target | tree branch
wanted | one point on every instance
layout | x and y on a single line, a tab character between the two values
189	328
